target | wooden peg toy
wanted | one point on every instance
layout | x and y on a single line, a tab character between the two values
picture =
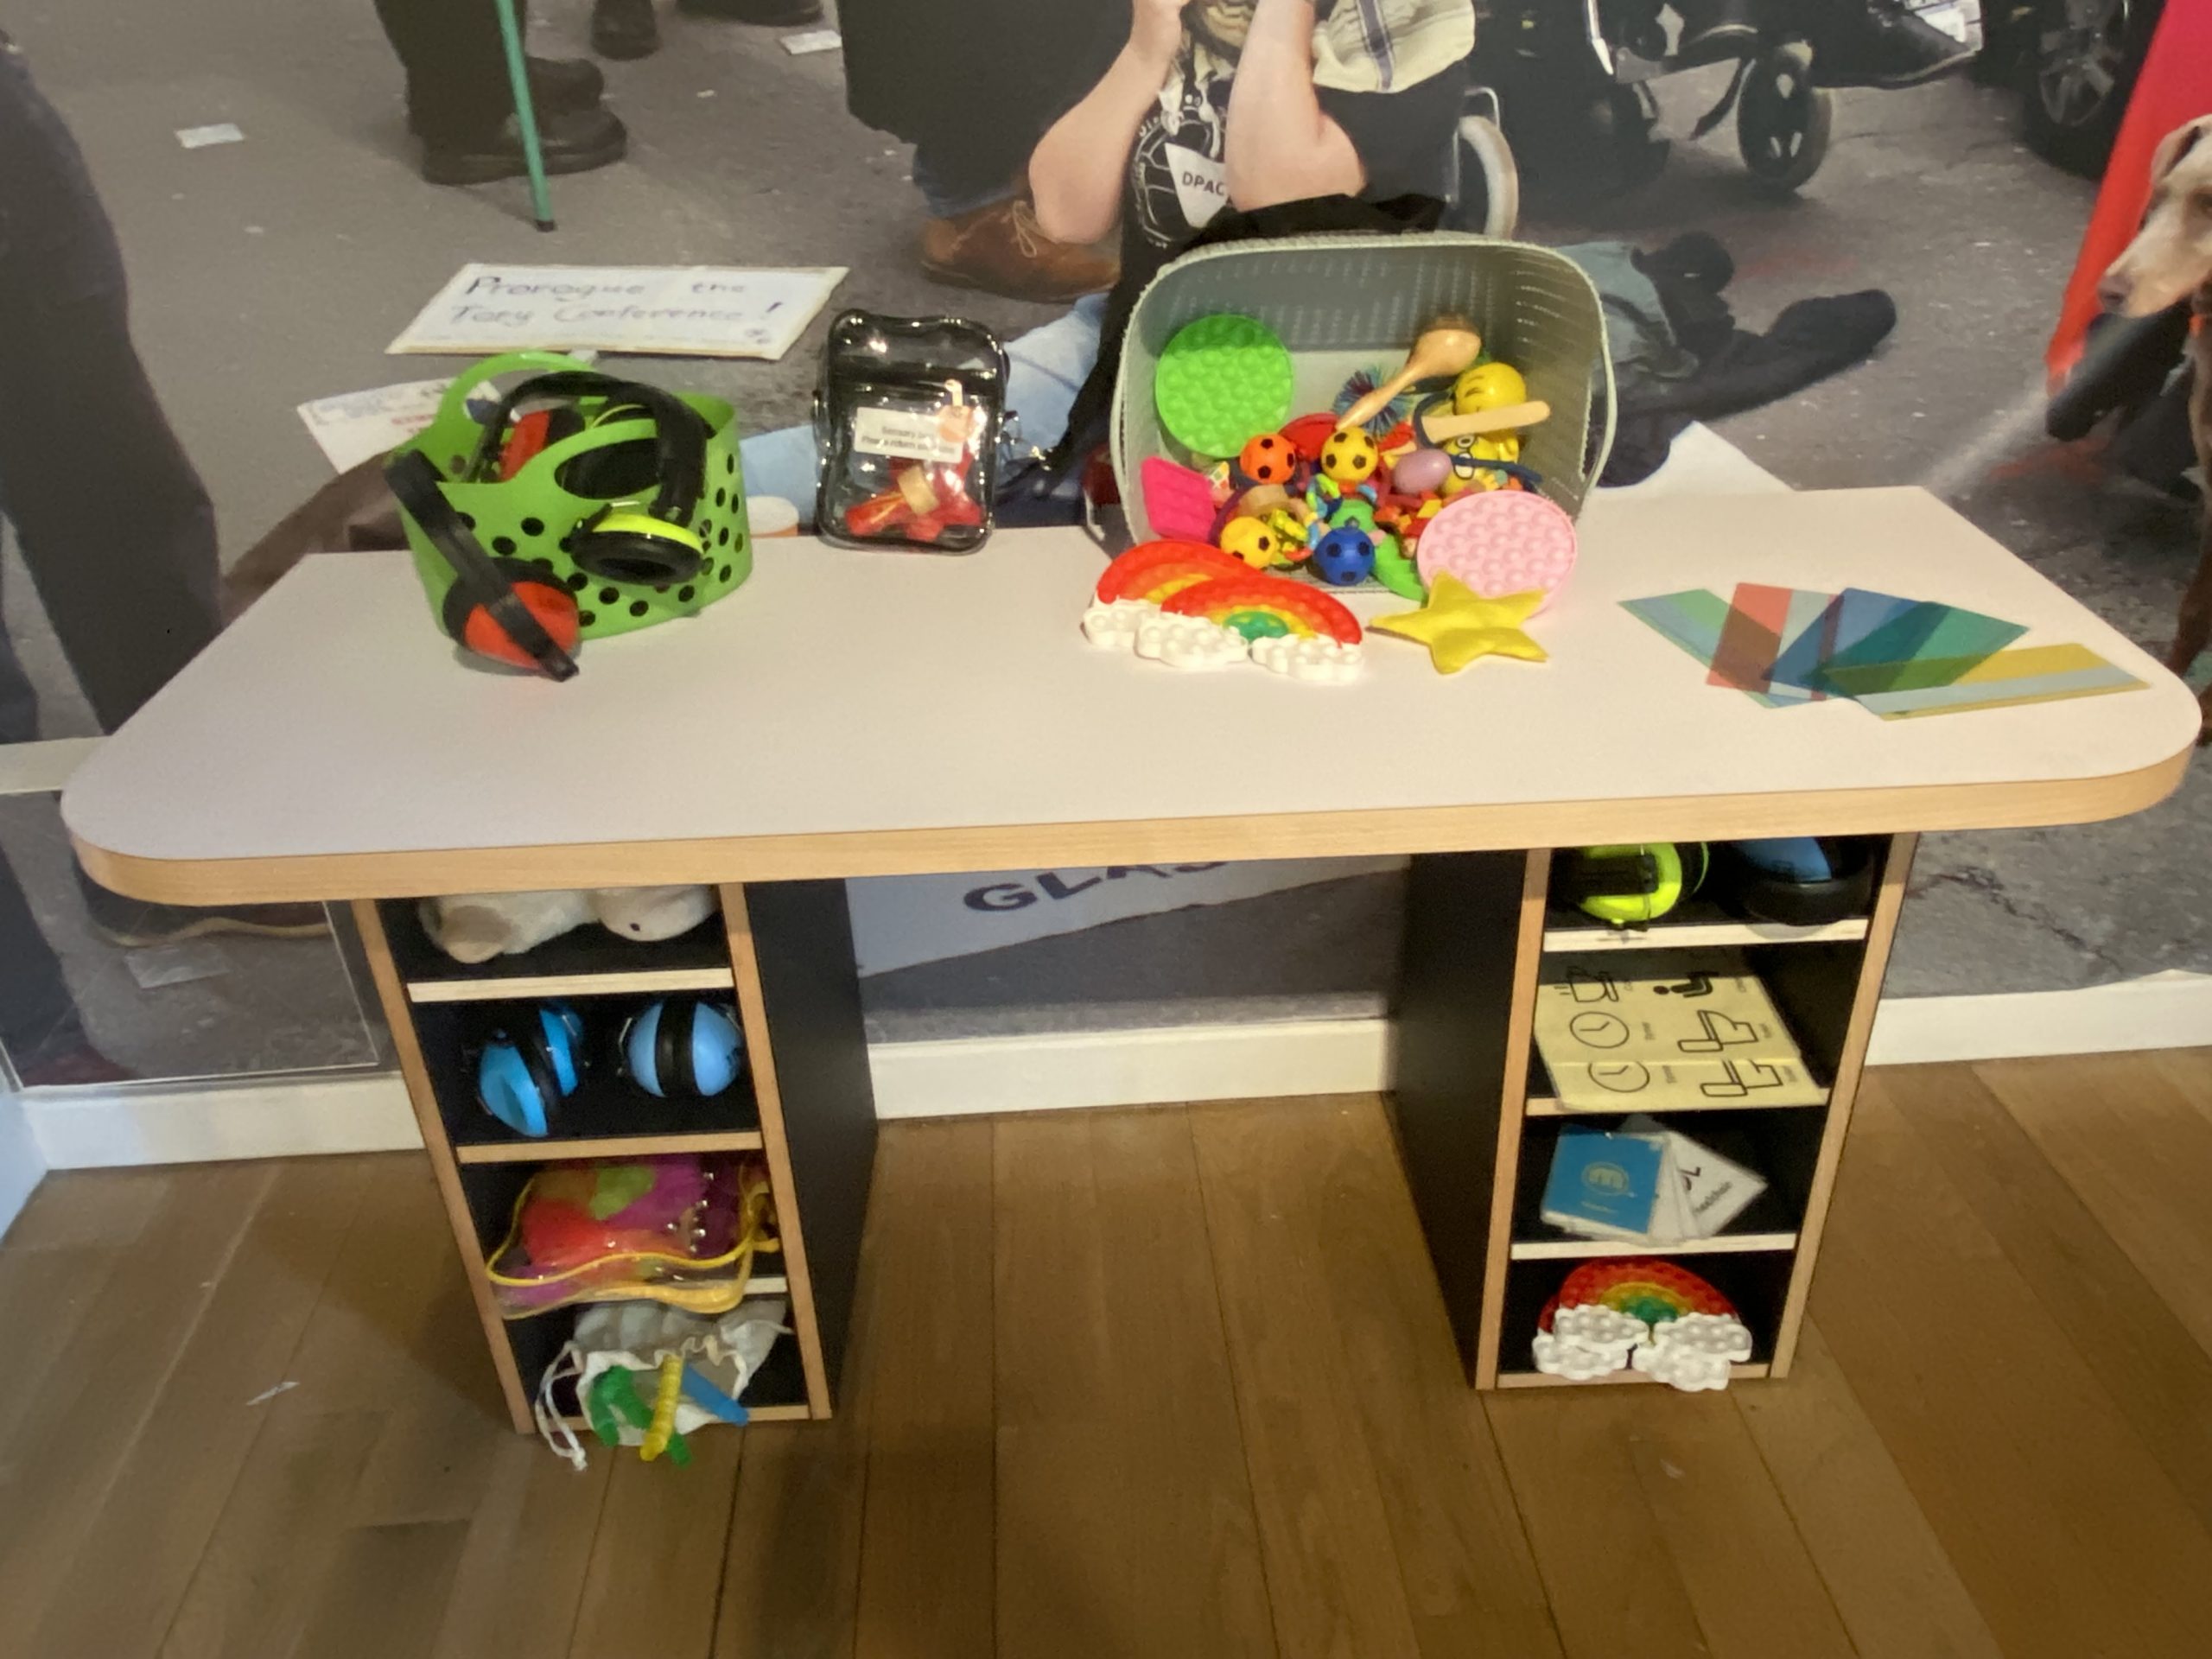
1484	422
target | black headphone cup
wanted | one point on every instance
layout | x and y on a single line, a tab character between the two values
1696	858
673	1047
453	614
544	1076
632	556
1765	895
680	433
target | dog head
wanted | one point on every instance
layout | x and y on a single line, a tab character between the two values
2171	256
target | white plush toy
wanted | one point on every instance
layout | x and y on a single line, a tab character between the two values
473	927
649	913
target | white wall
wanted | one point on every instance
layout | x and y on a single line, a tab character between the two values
28	769
80	1128
21	1166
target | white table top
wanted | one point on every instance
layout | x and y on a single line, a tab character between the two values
851	713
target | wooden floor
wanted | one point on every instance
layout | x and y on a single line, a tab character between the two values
1149	1383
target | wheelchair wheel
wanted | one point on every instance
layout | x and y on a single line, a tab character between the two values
1484	151
1783	120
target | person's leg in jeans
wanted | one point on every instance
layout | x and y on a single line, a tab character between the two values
951	187
459	105
1045	368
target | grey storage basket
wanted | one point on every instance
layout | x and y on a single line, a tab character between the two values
1342	303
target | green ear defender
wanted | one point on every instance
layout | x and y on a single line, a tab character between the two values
1632	885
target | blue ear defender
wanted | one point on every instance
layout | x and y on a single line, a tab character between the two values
530	1066
684	1048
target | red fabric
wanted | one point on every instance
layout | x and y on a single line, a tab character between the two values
2176	85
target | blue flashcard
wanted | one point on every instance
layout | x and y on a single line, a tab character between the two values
1929	644
1604	1185
1848	620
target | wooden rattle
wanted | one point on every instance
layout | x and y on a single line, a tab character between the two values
1447	347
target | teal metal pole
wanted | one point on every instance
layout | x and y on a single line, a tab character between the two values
533	153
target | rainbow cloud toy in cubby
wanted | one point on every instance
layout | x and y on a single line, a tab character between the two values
1638	1313
1592	1340
1694	1351
1191	605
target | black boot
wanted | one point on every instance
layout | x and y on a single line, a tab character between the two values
555	84
565	83
573	141
625	28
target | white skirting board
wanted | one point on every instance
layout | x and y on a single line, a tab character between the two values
21	1164
86	1128
102	1128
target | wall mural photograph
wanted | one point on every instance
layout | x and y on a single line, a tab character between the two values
1837	243
947	828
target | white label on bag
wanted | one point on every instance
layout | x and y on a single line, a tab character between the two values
907	434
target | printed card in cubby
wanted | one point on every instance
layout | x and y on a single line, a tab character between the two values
1707	1189
1704	1033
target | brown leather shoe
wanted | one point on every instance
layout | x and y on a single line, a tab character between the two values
999	248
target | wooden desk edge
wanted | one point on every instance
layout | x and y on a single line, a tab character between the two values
1921	807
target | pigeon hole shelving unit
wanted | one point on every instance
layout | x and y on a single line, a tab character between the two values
782	950
1476	1116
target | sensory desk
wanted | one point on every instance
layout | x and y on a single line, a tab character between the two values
855	714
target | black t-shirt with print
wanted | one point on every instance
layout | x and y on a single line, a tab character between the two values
1177	173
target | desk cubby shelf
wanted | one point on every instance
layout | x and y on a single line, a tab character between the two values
1696	923
590	962
782	950
1748	1373
1781	1144
1586	1249
1548	1105
1477	1120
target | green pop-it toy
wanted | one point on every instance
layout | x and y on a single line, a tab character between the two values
1221	380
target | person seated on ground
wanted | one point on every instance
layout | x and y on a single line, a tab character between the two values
1217	104
1880	43
629	28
